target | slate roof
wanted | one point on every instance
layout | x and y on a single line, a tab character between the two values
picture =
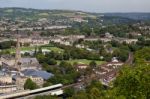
38	73
2	73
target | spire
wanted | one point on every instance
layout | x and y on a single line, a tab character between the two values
18	54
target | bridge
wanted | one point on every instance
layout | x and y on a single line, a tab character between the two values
51	90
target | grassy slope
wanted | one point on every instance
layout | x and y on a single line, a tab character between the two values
56	49
83	61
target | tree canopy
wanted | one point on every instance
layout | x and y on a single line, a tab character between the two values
29	84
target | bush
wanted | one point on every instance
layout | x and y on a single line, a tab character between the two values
29	84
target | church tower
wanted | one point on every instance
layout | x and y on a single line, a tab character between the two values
18	54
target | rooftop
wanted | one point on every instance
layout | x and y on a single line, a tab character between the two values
37	73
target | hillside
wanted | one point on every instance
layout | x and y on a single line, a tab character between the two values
31	14
105	18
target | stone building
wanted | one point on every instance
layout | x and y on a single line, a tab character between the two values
6	83
22	64
20	81
5	78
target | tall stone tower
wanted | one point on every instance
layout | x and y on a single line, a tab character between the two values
18	54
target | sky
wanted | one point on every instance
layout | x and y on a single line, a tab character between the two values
83	5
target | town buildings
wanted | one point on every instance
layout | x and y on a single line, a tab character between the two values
20	81
107	72
6	83
7	88
23	63
16	70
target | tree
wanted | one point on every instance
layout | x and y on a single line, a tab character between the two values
69	92
7	44
65	73
66	55
122	54
40	50
26	54
46	84
46	97
142	55
80	95
93	64
41	58
95	93
35	50
66	67
86	30
52	62
94	84
29	84
133	83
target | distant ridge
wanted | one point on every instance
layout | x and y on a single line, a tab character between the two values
10	11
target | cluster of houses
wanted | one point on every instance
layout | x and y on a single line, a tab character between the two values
78	19
70	39
66	40
107	72
13	80
15	70
40	24
36	40
109	37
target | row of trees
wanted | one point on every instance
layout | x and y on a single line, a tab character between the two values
68	53
7	44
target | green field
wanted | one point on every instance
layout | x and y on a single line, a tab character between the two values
43	14
55	49
83	61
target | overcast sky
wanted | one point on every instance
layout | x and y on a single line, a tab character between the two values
84	5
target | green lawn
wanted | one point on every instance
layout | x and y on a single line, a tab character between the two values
83	61
55	49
